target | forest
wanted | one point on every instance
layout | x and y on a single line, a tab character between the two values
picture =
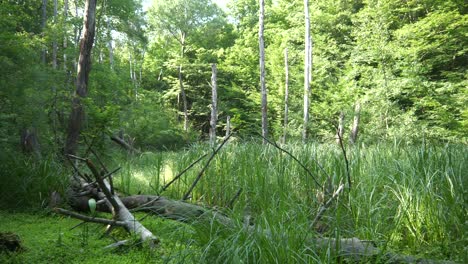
233	131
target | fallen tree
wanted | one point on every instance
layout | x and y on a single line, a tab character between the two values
101	190
352	249
85	189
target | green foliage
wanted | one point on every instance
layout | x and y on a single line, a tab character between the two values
408	198
151	125
27	182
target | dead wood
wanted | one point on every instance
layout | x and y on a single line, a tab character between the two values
124	144
187	195
351	249
120	213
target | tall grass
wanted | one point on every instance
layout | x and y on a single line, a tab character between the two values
407	198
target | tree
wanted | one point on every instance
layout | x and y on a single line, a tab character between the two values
307	69
263	89
286	94
84	68
189	23
214	105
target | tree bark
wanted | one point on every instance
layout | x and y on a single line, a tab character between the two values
43	25
340	130
84	67
286	95
29	142
104	194
184	99
214	105
54	43
262	71
65	44
109	44
352	249
307	70
228	126
355	128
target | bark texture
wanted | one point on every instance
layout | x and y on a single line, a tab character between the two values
286	95
307	70
214	105
184	99
355	128
262	71
83	69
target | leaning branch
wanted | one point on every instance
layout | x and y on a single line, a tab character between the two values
186	196
182	173
293	157
89	219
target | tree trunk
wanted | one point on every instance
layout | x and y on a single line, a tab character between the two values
84	67
340	130
109	44
43	25
30	143
65	44
77	34
214	105
184	99
54	43
286	95
228	126
351	249
307	70
355	129
262	71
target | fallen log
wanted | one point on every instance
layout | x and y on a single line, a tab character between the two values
351	249
121	215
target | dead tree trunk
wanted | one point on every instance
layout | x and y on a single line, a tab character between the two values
262	71
54	43
340	130
184	99
109	44
228	126
65	44
43	25
355	128
104	194
214	105
84	67
29	142
307	61
286	95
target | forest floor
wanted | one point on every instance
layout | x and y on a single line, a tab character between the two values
49	238
408	199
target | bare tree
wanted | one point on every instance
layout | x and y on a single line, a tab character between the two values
65	44
83	69
228	126
184	99
43	25
109	44
307	70
286	94
340	130
262	71
54	42
355	128
214	105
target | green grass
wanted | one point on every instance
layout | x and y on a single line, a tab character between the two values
410	199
